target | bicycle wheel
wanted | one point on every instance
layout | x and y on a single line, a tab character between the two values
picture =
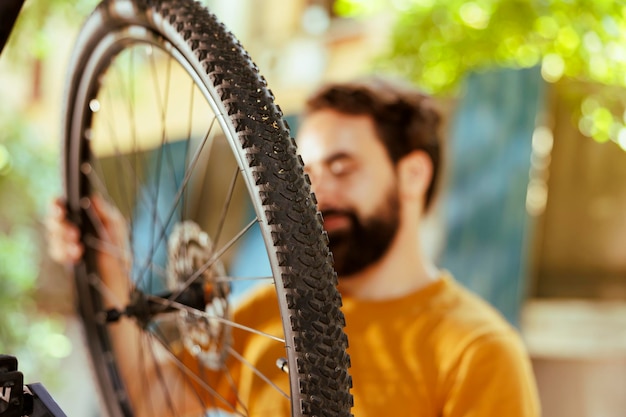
177	160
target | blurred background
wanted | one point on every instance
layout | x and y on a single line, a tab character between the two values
532	215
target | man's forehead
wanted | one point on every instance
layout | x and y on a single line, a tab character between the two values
328	151
325	134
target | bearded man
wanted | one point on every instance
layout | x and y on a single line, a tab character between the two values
420	343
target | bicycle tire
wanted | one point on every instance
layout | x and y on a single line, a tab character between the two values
188	37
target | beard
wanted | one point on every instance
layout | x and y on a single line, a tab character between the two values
366	239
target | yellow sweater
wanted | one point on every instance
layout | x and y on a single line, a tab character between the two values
439	352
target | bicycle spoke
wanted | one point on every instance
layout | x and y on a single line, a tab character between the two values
190	103
165	343
257	372
162	100
172	208
227	201
269	279
160	378
184	369
233	386
168	303
216	256
146	376
102	246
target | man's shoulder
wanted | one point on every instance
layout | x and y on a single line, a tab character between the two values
464	317
258	304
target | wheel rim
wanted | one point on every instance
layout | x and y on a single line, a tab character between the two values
118	173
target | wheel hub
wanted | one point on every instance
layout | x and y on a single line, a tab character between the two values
204	334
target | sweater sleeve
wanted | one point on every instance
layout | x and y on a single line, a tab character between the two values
493	377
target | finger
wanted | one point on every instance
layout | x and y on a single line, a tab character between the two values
59	229
110	218
65	252
101	207
63	237
56	211
101	216
75	252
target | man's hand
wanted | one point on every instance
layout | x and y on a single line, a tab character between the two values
139	358
64	244
111	245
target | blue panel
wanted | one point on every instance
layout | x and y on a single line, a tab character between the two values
484	204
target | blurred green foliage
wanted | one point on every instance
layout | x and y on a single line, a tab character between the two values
436	43
28	182
38	19
29	179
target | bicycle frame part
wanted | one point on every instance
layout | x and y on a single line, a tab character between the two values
9	11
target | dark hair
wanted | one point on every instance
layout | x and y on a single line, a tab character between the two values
405	119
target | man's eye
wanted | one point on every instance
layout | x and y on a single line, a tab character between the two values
341	167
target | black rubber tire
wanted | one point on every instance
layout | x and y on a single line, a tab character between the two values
273	173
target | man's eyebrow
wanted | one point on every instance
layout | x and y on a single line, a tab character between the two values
337	157
330	159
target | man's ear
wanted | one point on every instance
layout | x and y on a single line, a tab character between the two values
415	171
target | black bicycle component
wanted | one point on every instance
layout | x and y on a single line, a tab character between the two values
11	388
9	10
19	400
145	307
43	405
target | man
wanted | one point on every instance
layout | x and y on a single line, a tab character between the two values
420	344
